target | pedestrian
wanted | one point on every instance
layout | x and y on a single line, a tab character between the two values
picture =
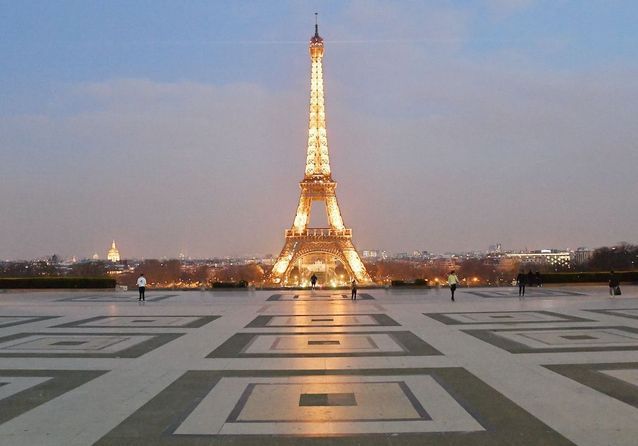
539	279
313	281
354	290
141	286
521	281
614	284
530	278
453	282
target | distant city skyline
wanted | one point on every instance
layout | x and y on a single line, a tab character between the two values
452	126
113	253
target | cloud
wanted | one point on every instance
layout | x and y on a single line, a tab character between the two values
432	148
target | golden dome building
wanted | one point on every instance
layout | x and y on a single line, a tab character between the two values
114	254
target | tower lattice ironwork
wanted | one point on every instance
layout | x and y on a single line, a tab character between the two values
318	185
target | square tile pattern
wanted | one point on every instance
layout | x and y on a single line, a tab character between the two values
9	321
141	322
114	298
323	320
503	317
378	343
617	380
327	399
316	297
51	345
23	390
631	313
513	292
571	339
290	405
178	397
416	406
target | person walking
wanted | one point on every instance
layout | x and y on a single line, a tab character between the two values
313	281
453	282
141	286
614	284
521	281
354	290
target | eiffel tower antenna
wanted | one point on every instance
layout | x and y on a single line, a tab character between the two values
323	246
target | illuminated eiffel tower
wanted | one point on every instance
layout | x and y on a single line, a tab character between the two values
321	245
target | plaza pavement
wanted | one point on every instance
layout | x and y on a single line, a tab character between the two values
404	367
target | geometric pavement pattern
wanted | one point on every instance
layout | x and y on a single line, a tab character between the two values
567	339
22	390
140	322
241	368
316	297
503	317
631	313
322	344
9	321
416	405
618	380
112	298
529	292
87	345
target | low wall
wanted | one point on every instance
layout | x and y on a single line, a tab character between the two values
56	282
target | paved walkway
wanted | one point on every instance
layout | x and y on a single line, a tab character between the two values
240	368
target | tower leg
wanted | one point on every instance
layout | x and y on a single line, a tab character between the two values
354	262
283	261
303	213
334	214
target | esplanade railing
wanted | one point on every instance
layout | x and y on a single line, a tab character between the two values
319	232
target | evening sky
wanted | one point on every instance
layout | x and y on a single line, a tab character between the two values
176	126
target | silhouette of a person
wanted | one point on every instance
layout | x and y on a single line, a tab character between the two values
354	290
521	281
141	286
530	278
453	282
539	279
313	281
614	284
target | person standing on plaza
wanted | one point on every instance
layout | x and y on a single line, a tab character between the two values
354	290
614	284
313	281
539	279
531	280
453	282
141	286
521	281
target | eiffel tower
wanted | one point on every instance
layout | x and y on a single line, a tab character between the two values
302	241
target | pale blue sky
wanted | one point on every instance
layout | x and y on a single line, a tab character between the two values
179	126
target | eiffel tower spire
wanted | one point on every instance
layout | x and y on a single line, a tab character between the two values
317	159
302	242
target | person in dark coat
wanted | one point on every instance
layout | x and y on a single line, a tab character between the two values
354	290
539	279
313	281
613	284
530	278
521	281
